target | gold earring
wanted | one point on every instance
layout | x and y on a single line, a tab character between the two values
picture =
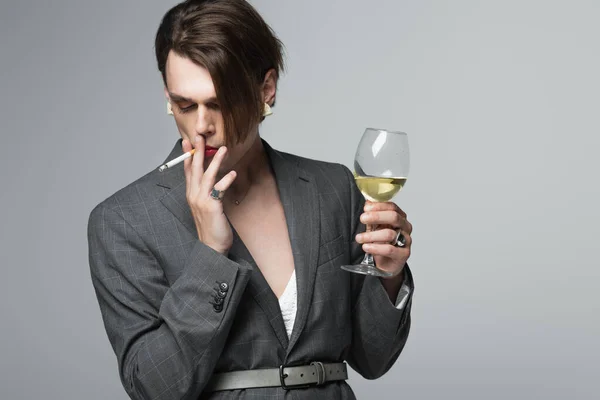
267	110
169	108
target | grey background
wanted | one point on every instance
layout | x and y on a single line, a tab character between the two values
500	99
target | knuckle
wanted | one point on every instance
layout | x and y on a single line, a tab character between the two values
199	207
215	206
189	196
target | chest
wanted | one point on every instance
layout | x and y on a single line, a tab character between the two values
262	226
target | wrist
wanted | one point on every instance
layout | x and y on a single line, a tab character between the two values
219	249
393	284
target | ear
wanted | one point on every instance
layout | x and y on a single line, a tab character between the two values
169	105
269	87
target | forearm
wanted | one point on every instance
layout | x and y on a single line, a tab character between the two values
392	285
178	358
380	330
167	337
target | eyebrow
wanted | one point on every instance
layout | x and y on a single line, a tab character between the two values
176	97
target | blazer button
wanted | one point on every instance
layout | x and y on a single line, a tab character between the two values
218	307
224	287
218	300
221	295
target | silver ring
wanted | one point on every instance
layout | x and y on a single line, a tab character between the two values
400	240
217	194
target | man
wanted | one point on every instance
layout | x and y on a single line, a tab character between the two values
189	264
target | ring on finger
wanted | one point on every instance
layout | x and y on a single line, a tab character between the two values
400	240
217	194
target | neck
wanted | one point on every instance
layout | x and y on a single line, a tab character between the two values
250	169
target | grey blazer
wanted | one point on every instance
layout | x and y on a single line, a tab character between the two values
156	285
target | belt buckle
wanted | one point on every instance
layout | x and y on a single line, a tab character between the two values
319	369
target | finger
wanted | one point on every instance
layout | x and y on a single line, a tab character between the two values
198	160
223	184
210	175
386	250
383	206
405	226
226	181
391	218
384	236
187	163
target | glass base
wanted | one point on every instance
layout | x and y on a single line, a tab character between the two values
366	269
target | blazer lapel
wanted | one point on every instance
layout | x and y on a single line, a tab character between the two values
259	289
173	179
300	200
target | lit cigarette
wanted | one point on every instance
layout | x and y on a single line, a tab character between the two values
177	160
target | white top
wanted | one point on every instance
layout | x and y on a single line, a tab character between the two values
287	304
289	298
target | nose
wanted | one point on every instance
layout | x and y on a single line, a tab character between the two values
204	124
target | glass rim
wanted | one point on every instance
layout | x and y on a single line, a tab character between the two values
386	130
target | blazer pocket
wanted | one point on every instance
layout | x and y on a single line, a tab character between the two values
331	249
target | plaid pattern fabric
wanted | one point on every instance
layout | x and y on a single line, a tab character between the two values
156	285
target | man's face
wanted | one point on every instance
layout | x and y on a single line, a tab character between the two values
197	111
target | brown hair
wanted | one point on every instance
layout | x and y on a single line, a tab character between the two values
237	47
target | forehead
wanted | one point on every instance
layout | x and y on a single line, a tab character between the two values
188	79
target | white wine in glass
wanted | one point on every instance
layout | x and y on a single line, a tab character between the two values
381	167
377	188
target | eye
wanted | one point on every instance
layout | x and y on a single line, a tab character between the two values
187	109
212	106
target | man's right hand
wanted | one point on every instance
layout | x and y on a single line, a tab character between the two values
211	223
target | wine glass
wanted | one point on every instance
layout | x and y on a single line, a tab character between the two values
381	167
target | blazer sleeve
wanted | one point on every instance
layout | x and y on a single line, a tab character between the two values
167	338
379	329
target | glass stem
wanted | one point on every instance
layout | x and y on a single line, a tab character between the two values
368	258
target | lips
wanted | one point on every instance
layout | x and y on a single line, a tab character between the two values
210	151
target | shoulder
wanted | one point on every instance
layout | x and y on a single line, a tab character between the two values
324	172
339	198
334	182
138	197
133	198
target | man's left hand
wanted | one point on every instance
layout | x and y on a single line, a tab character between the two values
386	220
